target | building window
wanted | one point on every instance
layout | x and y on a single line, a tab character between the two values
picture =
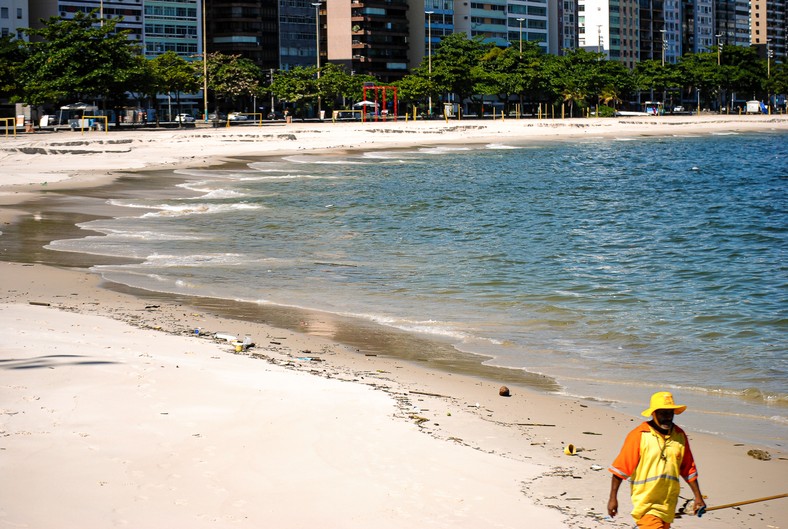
3	12
19	13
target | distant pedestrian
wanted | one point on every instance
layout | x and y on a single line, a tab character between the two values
653	457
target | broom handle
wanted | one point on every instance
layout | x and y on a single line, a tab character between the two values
736	504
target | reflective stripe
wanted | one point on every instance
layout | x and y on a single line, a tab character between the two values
655	478
618	472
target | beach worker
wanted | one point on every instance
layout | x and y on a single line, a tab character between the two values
653	457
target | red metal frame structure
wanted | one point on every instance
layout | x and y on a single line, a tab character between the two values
380	95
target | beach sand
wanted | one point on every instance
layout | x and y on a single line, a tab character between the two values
113	412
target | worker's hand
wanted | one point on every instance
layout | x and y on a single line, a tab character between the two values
612	507
699	507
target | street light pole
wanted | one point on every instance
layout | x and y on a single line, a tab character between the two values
664	48
429	57
599	43
520	20
769	72
204	65
317	41
719	50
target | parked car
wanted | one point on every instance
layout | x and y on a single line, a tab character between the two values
237	116
275	115
184	118
217	116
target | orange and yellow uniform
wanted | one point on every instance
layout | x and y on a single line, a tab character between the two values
653	462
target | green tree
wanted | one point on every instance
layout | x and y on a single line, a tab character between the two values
336	86
573	77
356	86
610	82
174	74
296	86
498	74
699	71
777	83
77	59
231	77
651	75
454	64
743	71
12	55
416	88
146	85
531	67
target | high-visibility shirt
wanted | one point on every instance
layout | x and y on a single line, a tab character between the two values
653	462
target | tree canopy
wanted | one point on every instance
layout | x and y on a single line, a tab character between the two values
76	59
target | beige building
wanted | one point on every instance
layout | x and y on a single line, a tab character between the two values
373	36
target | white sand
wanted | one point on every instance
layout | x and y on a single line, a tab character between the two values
112	414
105	425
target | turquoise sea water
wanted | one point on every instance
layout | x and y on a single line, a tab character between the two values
619	267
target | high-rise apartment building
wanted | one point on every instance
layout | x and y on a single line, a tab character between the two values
652	28
768	27
732	21
158	25
131	11
14	15
698	32
660	30
297	33
567	27
483	18
172	25
671	10
611	27
372	36
249	28
439	19
538	20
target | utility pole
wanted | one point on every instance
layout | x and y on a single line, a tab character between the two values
520	20
719	50
317	41
204	66
429	58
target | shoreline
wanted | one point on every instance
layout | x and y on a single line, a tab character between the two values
528	426
27	159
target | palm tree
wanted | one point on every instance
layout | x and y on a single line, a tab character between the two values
572	94
609	95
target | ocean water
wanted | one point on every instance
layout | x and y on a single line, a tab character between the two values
617	267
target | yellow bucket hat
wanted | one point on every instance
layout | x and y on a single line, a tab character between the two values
662	400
